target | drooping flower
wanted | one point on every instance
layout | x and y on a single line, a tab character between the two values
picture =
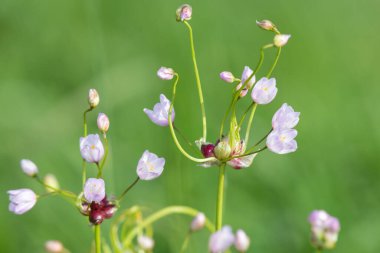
227	76
282	141
221	240
160	113
29	167
21	200
54	246
198	222
103	122
324	229
91	148
281	40
93	98
184	12
264	91
285	118
247	72
165	73
242	241
51	181
266	25
145	242
150	166
94	190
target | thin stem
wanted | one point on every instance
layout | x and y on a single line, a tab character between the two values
275	62
247	154
198	80
245	113
248	130
260	141
186	242
62	192
84	164
219	201
97	239
185	139
129	187
106	151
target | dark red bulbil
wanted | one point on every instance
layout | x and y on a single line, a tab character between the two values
208	150
100	211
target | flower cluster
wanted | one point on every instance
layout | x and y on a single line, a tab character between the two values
324	230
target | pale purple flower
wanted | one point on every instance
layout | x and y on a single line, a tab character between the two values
103	122
264	91
160	113
94	190
93	98
266	25
21	200
242	241
221	240
247	72
242	162
198	222
54	246
165	73
184	12
282	141
91	148
29	167
227	76
324	229
281	40
285	118
150	166
145	242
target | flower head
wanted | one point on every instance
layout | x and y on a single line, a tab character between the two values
91	148
103	122
266	25
264	91
29	167
242	241
150	166
281	40
198	222
282	141
285	118
221	240
227	76
54	246
21	200
324	229
184	12
93	98
165	73
94	190
160	113
145	242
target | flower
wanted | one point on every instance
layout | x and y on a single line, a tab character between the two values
247	72
198	222
145	242
285	118
160	113
93	98
242	162
94	190
241	241
266	25
150	166
282	141
184	12
29	167
165	73
51	181
221	240
91	148
264	91
21	200
103	122
54	246
324	229
281	40
227	76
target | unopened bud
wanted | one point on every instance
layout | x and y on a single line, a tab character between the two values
54	246
198	222
51	181
103	122
165	73
29	167
184	12
222	150
241	241
266	25
145	242
281	40
93	98
227	77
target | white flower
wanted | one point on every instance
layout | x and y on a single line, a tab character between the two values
29	167
145	242
93	98
160	113
221	240
285	118
282	141
165	73
281	40
242	241
21	200
264	91
94	190
198	222
150	166
54	246
91	148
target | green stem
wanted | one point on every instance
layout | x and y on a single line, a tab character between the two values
105	153
185	139
248	130
275	62
97	239
246	154
128	188
198	80
62	192
219	201
159	215
260	141
185	242
84	164
245	114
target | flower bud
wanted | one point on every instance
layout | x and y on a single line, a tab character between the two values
198	222
266	25
21	200
241	241
51	181
281	40
222	150
208	150
324	230
184	12
227	77
29	167
103	122
93	98
165	73
145	242
54	246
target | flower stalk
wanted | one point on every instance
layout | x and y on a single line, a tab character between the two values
220	196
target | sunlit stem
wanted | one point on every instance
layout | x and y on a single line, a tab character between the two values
100	171
275	62
173	132
84	164
186	242
56	190
129	188
159	215
250	120
97	239
220	196
258	143
198	80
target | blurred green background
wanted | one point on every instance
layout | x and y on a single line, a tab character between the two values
52	52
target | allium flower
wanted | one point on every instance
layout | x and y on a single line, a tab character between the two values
91	148
247	72
242	162
285	118
51	181
184	12
242	241
281	40
221	240
94	190
103	122
160	113
264	91
29	167
324	229
150	166
282	141
227	76
145	242
93	98
198	222
266	25
165	73
54	246
21	200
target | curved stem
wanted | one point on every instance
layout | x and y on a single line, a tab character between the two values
128	188
275	62
185	242
248	130
245	114
84	164
260	141
185	139
247	154
62	192
198	80
97	239
159	215
105	156
219	201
